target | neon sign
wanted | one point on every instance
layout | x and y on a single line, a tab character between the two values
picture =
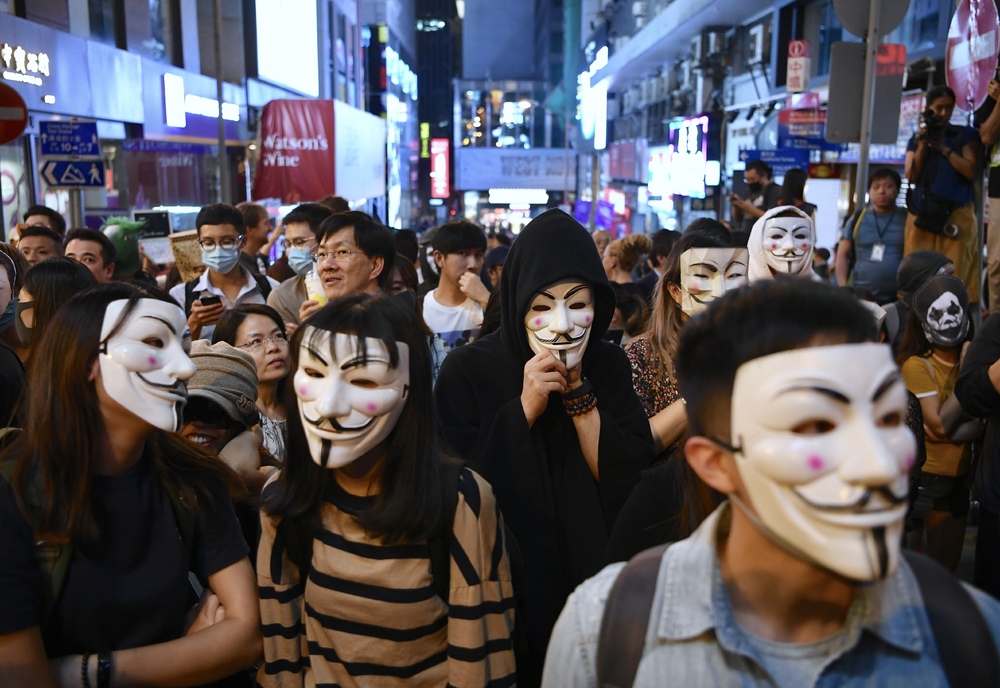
20	65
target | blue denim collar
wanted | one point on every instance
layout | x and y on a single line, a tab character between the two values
695	599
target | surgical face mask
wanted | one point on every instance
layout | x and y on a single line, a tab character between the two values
942	306
299	260
23	331
559	320
7	317
788	244
349	399
755	187
823	452
222	260
708	273
145	363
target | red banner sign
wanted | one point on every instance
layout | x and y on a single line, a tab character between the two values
297	151
440	177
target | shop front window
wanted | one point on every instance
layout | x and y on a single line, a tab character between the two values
15	184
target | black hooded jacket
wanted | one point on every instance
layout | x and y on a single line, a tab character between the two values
559	514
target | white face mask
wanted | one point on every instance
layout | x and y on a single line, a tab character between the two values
145	363
788	244
348	407
824	454
708	273
945	322
559	320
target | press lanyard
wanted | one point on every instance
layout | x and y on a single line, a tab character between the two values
878	250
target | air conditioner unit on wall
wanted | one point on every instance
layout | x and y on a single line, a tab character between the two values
756	44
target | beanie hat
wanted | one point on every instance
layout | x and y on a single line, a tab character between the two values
124	234
227	376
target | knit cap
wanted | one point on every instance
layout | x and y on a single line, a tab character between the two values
227	376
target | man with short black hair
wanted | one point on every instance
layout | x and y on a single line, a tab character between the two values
95	250
454	309
301	227
225	283
663	241
38	242
355	252
797	417
46	217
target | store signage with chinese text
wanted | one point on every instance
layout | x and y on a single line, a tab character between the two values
797	72
20	65
440	176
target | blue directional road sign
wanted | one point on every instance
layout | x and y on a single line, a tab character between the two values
781	161
73	173
69	138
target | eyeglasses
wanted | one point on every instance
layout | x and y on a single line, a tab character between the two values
258	342
341	256
227	243
299	243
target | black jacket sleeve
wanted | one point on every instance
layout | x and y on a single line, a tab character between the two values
974	388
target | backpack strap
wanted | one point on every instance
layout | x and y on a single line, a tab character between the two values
440	543
857	223
262	284
626	618
968	651
189	296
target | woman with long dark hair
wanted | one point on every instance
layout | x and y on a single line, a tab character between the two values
46	287
120	508
260	331
352	590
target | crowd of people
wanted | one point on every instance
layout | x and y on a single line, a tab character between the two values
461	459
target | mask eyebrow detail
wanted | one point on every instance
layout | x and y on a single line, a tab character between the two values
825	391
575	290
709	266
169	325
888	383
359	361
546	294
316	355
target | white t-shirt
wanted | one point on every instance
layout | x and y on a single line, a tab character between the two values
456	325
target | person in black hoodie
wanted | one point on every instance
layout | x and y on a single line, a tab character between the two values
544	409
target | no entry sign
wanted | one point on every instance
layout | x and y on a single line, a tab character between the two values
13	114
971	55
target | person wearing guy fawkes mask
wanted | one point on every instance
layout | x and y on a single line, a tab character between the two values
798	579
930	358
781	245
225	283
543	408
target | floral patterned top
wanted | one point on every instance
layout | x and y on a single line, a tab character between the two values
655	391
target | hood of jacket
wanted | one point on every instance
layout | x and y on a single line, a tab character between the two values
759	269
551	248
915	269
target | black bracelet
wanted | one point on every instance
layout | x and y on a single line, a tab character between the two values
104	665
583	390
84	674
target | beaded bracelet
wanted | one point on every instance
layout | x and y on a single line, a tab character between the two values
587	405
84	674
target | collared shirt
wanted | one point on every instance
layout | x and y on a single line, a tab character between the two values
249	293
693	638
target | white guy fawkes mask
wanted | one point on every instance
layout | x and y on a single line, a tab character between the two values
788	244
708	273
145	363
823	452
559	320
348	405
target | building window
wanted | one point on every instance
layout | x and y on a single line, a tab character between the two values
102	20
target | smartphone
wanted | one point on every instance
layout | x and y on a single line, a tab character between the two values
210	299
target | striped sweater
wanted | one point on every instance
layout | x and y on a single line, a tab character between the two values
368	614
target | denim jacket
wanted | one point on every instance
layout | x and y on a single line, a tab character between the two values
693	639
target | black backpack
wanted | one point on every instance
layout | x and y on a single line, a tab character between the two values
968	651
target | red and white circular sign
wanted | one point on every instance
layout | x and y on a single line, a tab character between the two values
13	114
970	59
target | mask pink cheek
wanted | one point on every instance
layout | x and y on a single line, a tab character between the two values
371	407
816	463
774	245
152	360
302	391
909	461
587	319
537	322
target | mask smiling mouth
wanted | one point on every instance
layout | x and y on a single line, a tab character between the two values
871	501
560	339
331	425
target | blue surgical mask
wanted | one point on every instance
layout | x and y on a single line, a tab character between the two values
299	260
220	259
7	318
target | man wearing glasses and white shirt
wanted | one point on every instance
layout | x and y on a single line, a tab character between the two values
355	253
225	283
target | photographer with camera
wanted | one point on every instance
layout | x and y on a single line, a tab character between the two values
941	162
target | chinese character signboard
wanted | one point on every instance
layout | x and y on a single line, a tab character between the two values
797	74
21	65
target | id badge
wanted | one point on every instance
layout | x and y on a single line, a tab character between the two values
878	253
